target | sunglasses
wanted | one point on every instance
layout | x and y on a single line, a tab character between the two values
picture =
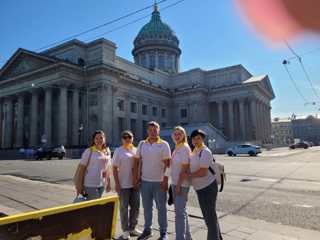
127	137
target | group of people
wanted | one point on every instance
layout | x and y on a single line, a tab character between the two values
145	171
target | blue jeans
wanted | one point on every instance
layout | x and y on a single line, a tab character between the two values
181	215
207	198
93	192
152	191
129	197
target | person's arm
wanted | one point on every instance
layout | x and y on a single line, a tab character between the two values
82	167
137	161
205	159
135	173
115	170
185	168
166	156
79	185
201	172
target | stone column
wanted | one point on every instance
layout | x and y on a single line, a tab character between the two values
260	118
75	117
220	115
265	125
34	119
8	123
253	119
139	131
63	116
265	131
242	119
48	115
107	112
20	118
231	120
259	135
1	123
269	121
127	112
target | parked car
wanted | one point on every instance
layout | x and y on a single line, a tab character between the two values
252	150
48	152
311	144
304	145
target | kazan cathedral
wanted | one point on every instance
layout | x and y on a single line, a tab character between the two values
61	95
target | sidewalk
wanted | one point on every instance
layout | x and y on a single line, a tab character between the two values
20	195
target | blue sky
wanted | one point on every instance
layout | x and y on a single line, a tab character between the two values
211	34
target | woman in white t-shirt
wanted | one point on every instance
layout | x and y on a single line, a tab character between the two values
180	187
94	162
123	171
204	182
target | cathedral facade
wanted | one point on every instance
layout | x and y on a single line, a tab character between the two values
63	94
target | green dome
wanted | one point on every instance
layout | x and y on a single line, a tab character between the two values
156	30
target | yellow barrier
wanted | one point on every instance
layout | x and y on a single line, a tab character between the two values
96	219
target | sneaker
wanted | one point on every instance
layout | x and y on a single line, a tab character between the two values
125	235
145	235
135	232
163	236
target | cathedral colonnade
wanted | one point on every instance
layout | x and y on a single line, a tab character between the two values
49	114
242	119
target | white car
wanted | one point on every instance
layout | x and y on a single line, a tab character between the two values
252	150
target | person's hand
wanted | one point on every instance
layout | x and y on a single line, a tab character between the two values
136	184
137	157
178	190
117	188
185	175
164	184
108	188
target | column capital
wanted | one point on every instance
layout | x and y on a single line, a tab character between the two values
230	100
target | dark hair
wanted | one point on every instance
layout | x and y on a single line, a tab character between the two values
153	124
94	136
198	132
126	133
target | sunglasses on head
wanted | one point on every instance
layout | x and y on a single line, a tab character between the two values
127	137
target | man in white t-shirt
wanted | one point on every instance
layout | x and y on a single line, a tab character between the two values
154	155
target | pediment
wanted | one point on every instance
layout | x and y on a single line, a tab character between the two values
23	62
267	85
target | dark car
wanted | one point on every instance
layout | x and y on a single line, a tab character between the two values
48	152
299	145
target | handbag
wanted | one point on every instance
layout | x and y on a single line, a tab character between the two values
218	171
170	198
78	178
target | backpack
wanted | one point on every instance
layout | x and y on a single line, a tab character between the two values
218	170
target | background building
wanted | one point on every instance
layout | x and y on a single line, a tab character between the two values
63	94
306	128
282	134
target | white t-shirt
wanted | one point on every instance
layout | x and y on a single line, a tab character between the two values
98	164
180	157
204	161
153	156
122	158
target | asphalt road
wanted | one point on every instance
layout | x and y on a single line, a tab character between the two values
279	186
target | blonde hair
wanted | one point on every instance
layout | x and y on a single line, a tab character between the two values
181	129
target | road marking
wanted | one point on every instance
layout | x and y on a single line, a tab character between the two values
276	203
303	205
